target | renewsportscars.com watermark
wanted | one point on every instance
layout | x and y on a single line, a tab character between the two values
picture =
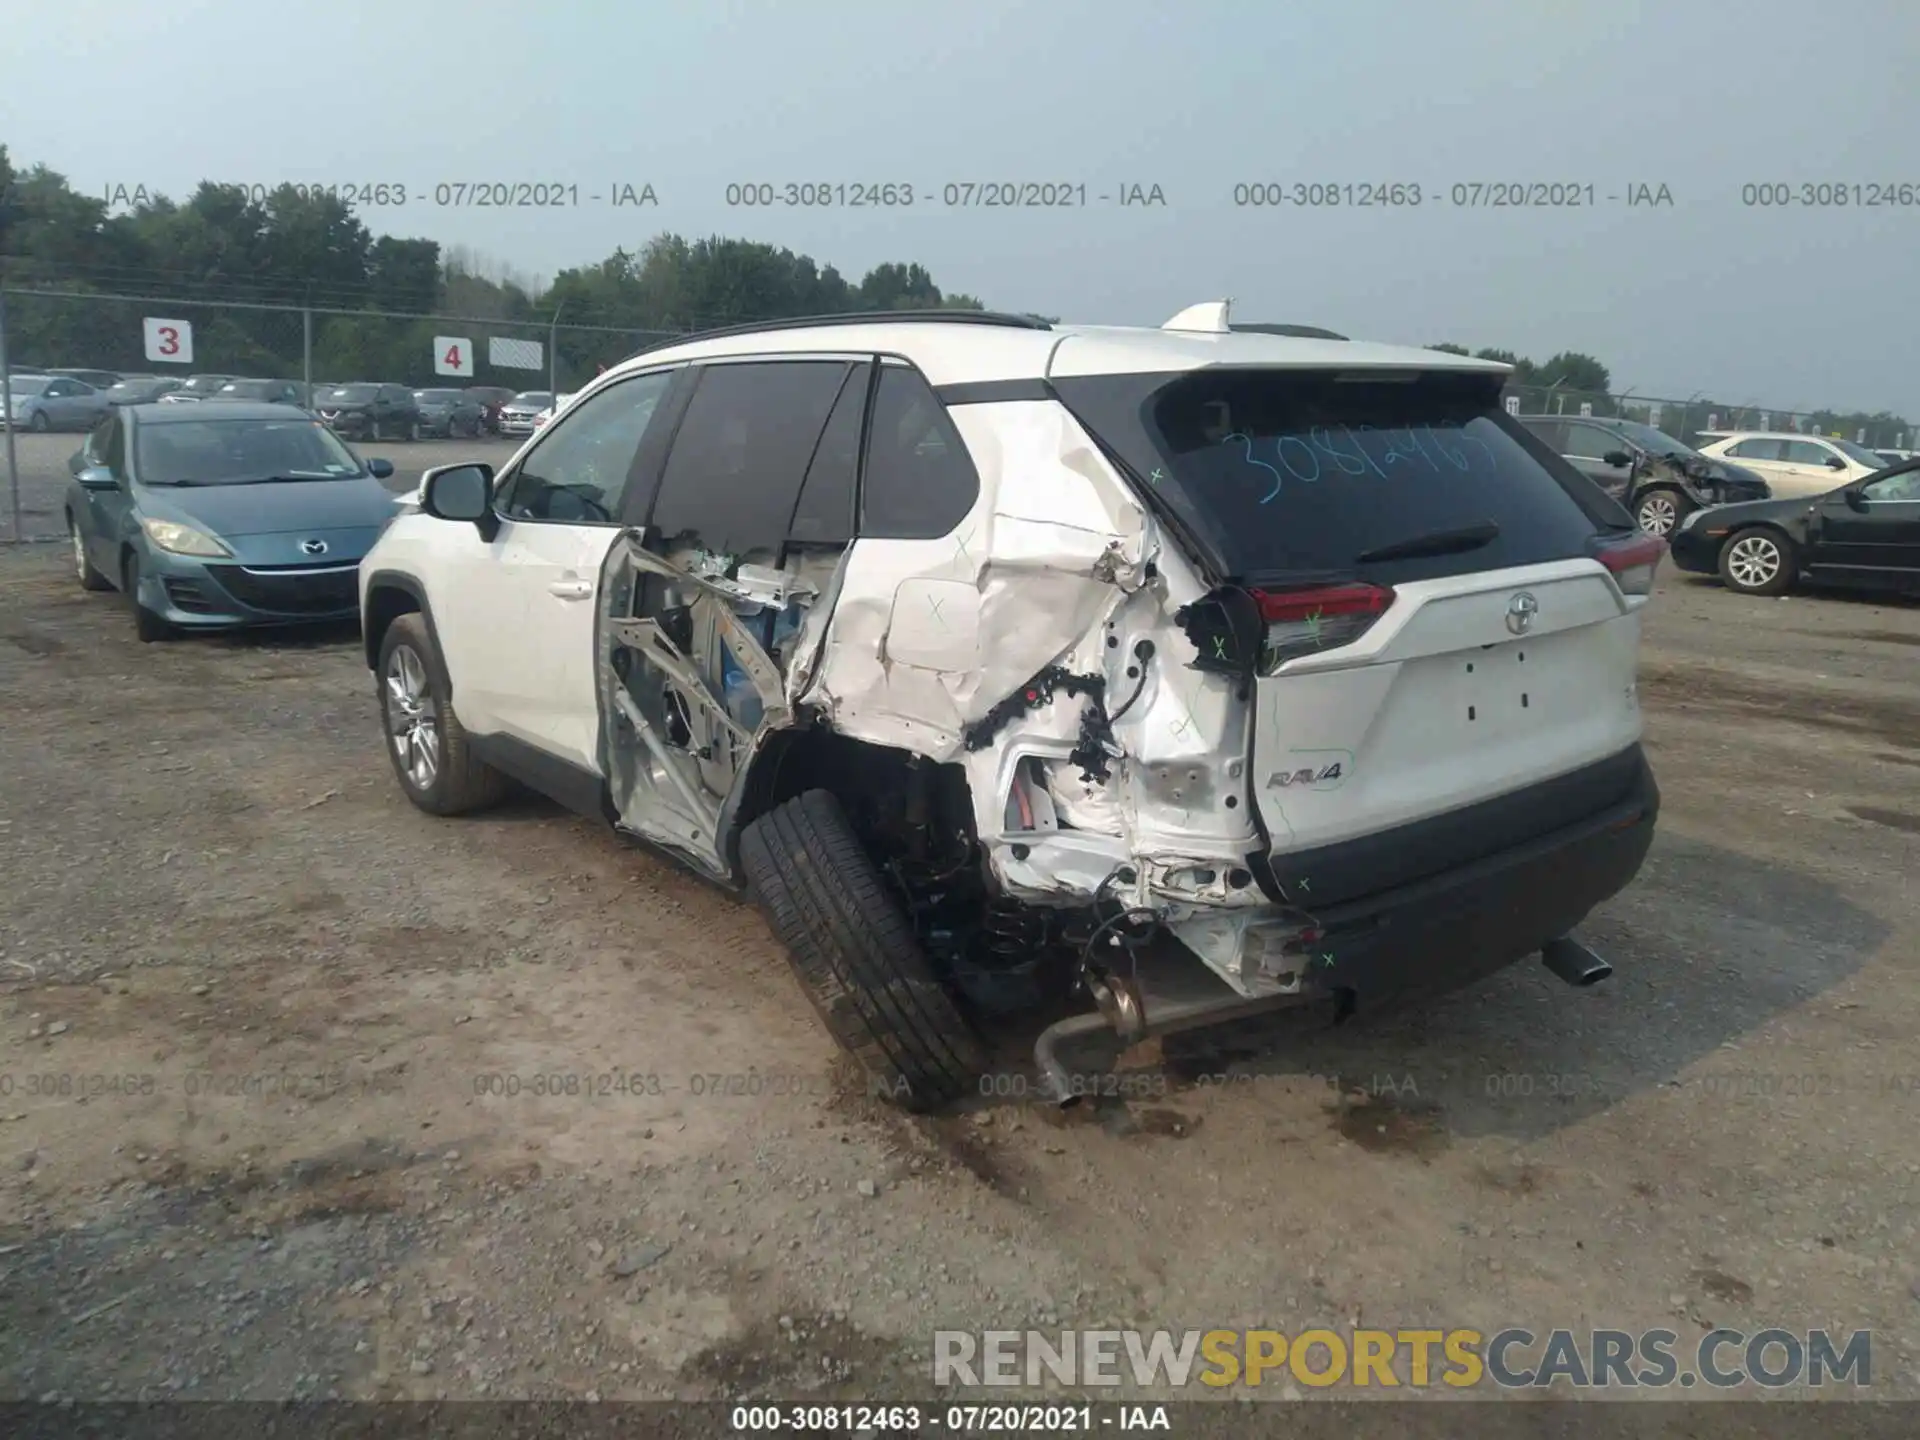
1512	1359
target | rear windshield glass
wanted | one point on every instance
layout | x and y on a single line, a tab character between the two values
1285	474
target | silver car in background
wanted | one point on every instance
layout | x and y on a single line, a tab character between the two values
52	402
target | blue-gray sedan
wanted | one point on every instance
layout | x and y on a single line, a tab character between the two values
211	517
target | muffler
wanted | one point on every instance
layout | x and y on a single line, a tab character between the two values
1574	962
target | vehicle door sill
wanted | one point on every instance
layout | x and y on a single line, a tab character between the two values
565	783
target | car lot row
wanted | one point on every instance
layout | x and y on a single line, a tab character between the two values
45	400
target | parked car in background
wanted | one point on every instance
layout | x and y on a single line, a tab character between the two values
1658	478
491	398
366	410
1380	736
99	379
223	515
559	403
52	402
517	416
196	388
141	389
1863	533
1894	457
449	413
266	392
1795	466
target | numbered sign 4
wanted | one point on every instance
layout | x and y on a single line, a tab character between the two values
452	355
169	342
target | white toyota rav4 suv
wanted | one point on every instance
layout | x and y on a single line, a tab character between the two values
1192	672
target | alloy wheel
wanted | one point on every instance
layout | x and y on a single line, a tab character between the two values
1658	514
1753	561
413	717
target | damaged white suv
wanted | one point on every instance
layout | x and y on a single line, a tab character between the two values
1190	671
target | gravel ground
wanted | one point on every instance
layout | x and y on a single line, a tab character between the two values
284	1107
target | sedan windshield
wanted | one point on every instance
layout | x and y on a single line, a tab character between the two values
240	452
353	394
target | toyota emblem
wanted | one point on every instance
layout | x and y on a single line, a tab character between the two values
319	547
1520	612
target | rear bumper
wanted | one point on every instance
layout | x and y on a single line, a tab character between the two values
1430	907
1448	930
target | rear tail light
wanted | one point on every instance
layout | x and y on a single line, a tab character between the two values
1632	561
1322	617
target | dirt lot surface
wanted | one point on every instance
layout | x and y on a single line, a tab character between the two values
304	1093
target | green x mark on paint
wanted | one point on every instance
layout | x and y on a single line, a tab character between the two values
1157	476
1220	647
1313	627
1326	958
1304	885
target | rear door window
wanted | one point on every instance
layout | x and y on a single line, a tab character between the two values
919	482
733	477
1295	475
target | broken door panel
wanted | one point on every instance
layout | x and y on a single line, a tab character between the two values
688	688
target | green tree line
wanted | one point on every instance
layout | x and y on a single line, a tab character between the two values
306	250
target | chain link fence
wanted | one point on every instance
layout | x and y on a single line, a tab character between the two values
50	328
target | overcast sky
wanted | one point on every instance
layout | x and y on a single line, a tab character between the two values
1786	307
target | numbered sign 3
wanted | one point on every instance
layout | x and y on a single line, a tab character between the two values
452	355
169	342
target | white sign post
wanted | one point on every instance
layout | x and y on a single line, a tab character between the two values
1586	409
1513	404
169	342
1653	417
452	355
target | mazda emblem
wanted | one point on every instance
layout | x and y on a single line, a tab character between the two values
319	547
1520	612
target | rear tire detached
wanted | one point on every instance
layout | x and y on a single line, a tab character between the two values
855	954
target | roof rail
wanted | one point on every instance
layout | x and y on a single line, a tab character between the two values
860	317
1302	332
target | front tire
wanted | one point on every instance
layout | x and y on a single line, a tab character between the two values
855	954
1660	510
431	755
90	578
1759	561
40	424
147	625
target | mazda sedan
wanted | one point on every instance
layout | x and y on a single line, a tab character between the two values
209	517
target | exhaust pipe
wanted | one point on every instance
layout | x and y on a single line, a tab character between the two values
1574	962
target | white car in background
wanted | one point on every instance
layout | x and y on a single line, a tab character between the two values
554	409
1796	465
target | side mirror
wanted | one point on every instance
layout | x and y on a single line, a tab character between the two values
96	477
460	492
1834	462
380	469
76	462
1856	499
1618	459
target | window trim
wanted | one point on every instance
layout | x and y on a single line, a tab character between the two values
872	365
509	476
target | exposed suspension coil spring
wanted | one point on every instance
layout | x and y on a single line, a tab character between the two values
1012	933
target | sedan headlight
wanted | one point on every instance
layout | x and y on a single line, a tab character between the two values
181	539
